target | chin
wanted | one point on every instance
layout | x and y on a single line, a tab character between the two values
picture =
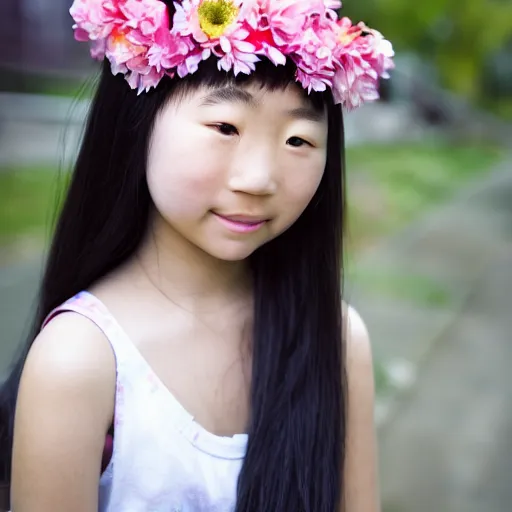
234	251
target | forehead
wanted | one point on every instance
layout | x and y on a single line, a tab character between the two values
289	99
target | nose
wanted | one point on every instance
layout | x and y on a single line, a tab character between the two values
253	172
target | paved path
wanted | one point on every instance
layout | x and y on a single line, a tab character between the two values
432	266
450	447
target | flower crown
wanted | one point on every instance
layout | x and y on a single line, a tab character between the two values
136	37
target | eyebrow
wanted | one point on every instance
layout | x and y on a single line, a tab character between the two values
228	95
236	95
307	113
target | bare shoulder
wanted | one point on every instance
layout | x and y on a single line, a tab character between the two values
358	346
73	348
358	358
64	408
361	482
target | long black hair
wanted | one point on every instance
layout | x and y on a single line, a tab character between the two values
295	454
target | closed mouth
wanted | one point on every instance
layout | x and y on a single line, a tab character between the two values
242	219
241	224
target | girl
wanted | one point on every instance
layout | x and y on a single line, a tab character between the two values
190	349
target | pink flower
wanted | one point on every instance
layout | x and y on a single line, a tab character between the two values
186	26
273	54
276	26
147	16
139	74
315	58
206	20
128	57
314	67
134	35
287	19
163	49
98	49
167	51
331	6
191	64
312	82
353	85
368	43
215	26
278	23
149	80
318	44
186	20
252	11
379	51
364	56
255	20
120	48
94	19
237	55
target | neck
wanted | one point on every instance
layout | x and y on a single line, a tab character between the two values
186	274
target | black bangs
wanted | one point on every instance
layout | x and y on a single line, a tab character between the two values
267	76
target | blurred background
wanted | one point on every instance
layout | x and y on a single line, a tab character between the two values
429	243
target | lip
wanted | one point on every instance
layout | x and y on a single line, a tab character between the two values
241	223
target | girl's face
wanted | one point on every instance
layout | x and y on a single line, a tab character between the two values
231	168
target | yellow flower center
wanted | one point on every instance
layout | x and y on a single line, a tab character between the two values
215	16
346	38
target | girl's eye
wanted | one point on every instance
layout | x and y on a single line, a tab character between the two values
226	129
297	142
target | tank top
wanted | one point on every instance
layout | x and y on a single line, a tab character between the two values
161	458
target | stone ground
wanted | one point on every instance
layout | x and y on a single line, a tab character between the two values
446	426
448	448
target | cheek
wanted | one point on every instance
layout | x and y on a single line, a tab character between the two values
182	180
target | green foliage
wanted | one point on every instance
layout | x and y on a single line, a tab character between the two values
416	289
401	181
36	83
29	198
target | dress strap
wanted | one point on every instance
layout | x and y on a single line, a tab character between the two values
87	305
